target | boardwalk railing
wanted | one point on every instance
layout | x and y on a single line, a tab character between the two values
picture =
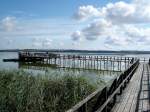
102	100
78	61
144	59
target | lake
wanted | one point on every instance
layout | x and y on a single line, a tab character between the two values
46	88
15	65
90	74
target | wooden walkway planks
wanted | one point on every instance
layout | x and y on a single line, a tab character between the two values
128	100
144	98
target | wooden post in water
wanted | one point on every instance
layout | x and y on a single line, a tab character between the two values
68	61
60	61
50	61
114	64
83	62
107	62
100	62
120	63
94	62
63	60
125	63
80	61
97	62
88	62
84	58
111	62
128	61
73	62
104	62
55	60
91	62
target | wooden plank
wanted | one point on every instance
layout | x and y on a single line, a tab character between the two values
117	90
144	97
134	103
128	98
127	103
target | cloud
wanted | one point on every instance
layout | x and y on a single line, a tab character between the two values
137	34
92	31
119	24
77	36
23	30
85	12
118	13
47	42
96	29
42	42
126	13
117	41
8	23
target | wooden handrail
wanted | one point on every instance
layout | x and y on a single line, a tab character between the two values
77	106
128	76
116	91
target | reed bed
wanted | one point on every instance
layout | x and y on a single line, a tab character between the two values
21	91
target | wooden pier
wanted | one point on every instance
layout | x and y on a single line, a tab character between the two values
131	93
78	61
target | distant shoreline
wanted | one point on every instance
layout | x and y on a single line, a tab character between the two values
77	51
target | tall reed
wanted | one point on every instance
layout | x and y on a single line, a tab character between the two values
24	92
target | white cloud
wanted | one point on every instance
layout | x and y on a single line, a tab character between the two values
96	29
127	13
47	42
77	36
119	24
23	31
42	42
92	31
117	41
120	12
85	12
9	23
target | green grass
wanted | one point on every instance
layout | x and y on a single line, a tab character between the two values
24	92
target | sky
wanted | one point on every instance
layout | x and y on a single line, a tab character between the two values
75	24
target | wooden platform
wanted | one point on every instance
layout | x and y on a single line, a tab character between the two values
135	97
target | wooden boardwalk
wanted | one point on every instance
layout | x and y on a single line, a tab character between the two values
135	97
144	94
78	61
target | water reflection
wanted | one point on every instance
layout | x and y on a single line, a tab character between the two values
8	65
94	76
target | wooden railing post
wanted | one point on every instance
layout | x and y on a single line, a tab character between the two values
101	99
83	108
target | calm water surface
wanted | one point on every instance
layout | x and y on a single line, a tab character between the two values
91	75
